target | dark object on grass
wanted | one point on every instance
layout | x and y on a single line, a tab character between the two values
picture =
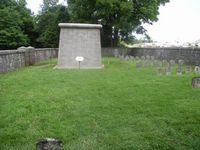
49	144
196	82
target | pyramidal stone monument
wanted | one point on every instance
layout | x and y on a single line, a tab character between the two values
79	46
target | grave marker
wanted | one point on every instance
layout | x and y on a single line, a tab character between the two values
168	71
188	69
180	62
196	82
139	64
143	57
179	71
197	69
172	63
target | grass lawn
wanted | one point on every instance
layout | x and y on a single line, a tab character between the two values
118	107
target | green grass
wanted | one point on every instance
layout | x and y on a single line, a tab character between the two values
118	107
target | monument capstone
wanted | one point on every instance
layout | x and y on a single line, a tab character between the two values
79	41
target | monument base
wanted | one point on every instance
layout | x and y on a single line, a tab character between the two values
61	67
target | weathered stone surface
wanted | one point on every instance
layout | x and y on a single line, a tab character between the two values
179	71
168	71
196	82
190	56
49	144
79	40
197	69
188	69
12	59
172	63
160	71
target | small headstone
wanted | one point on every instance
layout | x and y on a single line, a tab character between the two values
121	57
156	63
139	64
197	69
143	57
147	63
188	69
180	62
159	71
172	63
196	82
152	57
127	57
179	71
116	53
165	63
168	71
137	58
132	57
49	144
148	57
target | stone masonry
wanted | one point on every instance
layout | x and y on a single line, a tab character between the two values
79	40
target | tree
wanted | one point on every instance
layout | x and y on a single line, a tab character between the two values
16	24
118	17
48	3
48	20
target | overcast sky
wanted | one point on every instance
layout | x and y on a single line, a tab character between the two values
179	20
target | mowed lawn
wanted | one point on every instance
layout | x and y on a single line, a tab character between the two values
118	107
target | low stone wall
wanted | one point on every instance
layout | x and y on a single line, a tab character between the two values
12	59
189	55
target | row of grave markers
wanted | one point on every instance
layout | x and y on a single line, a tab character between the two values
163	66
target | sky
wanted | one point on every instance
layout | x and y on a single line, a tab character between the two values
179	21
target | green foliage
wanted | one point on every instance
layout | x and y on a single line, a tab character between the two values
118	107
48	3
118	17
11	34
47	26
16	25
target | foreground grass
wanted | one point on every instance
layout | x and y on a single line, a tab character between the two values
118	107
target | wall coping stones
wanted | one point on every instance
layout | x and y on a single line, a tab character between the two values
8	52
80	25
166	48
44	49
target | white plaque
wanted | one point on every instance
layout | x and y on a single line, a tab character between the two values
79	58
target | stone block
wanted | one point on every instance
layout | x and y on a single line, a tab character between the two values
196	82
79	40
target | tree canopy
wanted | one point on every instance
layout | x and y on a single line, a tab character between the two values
118	17
16	24
47	23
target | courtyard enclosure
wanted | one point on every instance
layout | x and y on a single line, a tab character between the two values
79	41
118	107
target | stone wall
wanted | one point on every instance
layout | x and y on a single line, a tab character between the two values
12	59
189	55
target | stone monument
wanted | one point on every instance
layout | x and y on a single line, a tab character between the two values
79	41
